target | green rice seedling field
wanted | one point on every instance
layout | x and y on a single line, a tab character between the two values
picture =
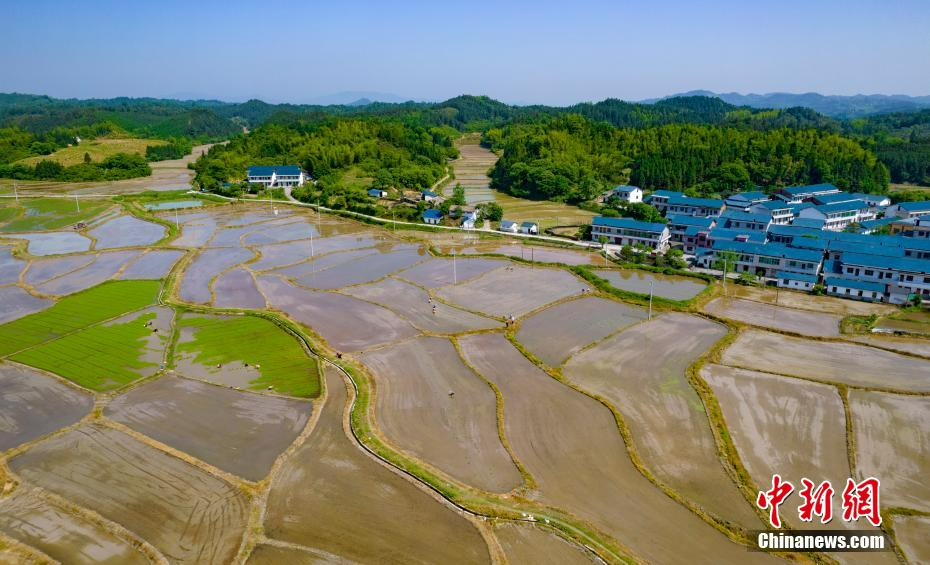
75	312
101	358
47	213
279	357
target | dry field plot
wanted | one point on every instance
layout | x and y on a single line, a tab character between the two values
913	534
16	303
531	544
455	432
806	301
126	231
827	361
436	272
893	443
552	428
236	289
782	425
559	332
346	323
33	404
99	149
331	497
195	287
513	290
666	286
31	520
413	303
242	433
153	265
776	317
190	516
641	372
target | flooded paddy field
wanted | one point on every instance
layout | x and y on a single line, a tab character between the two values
106	356
33	404
782	425
514	290
215	424
334	316
802	322
195	287
667	286
187	514
892	443
828	361
913	534
233	235
236	289
439	271
10	266
537	253
666	417
332	497
532	544
556	333
364	269
41	270
104	267
318	263
153	264
46	214
196	230
126	231
549	426
32	520
16	303
325	252
433	406
273	359
53	243
415	305
173	205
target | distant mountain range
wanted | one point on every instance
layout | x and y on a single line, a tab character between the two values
357	98
836	106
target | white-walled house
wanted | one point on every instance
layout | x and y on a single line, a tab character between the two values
628	193
509	227
276	175
627	231
529	228
796	281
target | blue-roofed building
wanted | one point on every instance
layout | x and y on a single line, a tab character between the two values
662	196
873	200
905	272
909	209
726	234
508	226
839	215
743	200
276	175
798	194
855	289
781	212
377	193
811	223
469	219
430	196
432	216
740	220
627	231
687	230
766	259
872	226
677	203
795	281
628	193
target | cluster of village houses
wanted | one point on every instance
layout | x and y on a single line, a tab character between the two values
799	237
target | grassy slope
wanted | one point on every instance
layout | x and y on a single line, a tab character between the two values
47	213
77	311
99	149
284	364
99	358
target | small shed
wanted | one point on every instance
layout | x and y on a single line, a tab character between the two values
377	193
432	217
529	228
508	226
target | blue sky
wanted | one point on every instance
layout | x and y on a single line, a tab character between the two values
518	51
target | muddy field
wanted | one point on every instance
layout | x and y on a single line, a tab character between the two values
153	265
892	443
559	332
913	533
807	301
663	412
782	425
236	289
431	405
666	286
916	346
827	361
331	497
31	520
775	317
513	290
415	305
547	423
33	404
334	316
126	231
190	516
16	303
215	424
439	271
531	544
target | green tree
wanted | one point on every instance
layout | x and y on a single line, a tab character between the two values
491	211
87	158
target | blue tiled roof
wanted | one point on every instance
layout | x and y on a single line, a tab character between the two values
748	196
835	197
432	214
814	223
741	216
667	193
808	188
266	171
792	230
774	204
841	206
686	220
770	250
866	248
872	224
689	201
915	206
858	285
374	192
628	223
694	230
882	262
869	197
429	193
625	188
796	276
528	224
728	234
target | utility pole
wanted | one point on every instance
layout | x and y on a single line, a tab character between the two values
455	278
724	276
177	223
312	262
15	194
651	284
77	203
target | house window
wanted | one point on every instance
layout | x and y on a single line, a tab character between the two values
869	273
